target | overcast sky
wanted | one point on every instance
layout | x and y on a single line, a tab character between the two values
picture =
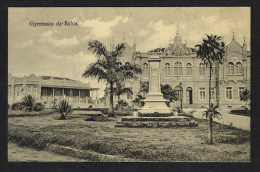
62	50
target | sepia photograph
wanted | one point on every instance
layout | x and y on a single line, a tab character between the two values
129	84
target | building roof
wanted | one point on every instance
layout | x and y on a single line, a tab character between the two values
57	78
49	81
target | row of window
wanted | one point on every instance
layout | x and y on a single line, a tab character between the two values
178	69
30	90
229	93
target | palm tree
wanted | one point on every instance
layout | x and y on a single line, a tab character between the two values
212	112
211	51
119	90
109	68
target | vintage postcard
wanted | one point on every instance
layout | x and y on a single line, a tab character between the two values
127	84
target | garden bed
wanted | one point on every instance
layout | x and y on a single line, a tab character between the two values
141	144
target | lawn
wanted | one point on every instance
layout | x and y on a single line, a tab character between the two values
142	144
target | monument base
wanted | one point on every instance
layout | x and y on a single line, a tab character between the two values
155	104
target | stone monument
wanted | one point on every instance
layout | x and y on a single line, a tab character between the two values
154	102
155	112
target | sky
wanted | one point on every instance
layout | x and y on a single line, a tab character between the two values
62	51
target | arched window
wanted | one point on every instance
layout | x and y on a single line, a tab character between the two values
167	69
201	69
178	69
145	69
230	68
239	68
188	69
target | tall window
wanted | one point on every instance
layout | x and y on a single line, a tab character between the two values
228	92
34	92
240	90
188	69
167	69
29	90
201	69
145	69
230	68
239	68
202	94
178	69
17	91
212	93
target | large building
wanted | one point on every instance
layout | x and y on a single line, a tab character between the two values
179	64
48	89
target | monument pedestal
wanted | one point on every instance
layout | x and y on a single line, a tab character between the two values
155	103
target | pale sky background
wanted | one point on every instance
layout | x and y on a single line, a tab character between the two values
62	51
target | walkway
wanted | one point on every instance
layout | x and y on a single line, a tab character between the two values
237	121
16	153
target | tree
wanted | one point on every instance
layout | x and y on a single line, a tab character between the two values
245	96
119	90
169	94
211	51
109	68
212	112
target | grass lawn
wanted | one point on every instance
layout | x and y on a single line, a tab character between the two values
143	144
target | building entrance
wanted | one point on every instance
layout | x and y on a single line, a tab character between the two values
189	95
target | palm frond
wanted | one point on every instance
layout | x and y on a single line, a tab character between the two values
98	49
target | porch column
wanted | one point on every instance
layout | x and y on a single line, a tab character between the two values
91	94
53	93
63	93
96	96
79	97
70	94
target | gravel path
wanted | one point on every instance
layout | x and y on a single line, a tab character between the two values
16	153
237	121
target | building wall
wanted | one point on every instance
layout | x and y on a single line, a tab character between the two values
221	78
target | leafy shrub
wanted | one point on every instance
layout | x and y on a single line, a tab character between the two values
121	105
63	108
28	102
17	106
38	107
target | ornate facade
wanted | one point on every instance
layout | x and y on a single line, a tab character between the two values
179	64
